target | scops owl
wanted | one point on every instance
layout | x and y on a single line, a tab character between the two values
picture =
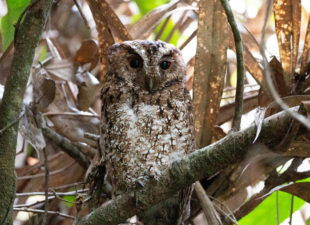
147	116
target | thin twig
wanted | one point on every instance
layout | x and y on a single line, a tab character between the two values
86	114
161	31
176	26
12	123
43	211
68	185
240	66
43	174
206	205
69	193
33	203
81	13
58	197
67	146
44	221
188	39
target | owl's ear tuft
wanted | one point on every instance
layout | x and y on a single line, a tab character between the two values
110	51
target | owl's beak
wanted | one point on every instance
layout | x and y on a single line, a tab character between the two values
150	84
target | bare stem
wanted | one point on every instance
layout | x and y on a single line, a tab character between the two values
46	186
240	66
43	211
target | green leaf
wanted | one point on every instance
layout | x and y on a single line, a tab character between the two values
175	37
266	212
303	180
15	8
308	222
43	53
70	198
146	6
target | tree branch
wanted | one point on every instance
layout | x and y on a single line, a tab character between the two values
181	173
67	146
240	66
27	39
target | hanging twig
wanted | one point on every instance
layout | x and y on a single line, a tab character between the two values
81	13
240	66
12	123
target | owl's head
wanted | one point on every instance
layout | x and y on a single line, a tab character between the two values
152	65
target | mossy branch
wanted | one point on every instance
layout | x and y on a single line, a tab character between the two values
27	37
201	163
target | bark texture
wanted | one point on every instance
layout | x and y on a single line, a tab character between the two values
201	163
27	37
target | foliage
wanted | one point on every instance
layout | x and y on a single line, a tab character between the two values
15	8
266	212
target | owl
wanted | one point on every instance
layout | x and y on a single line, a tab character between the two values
147	117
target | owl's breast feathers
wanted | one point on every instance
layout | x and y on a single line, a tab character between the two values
142	133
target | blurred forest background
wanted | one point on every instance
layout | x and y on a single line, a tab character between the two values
59	123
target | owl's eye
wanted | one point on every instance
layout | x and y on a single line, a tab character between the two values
164	65
135	62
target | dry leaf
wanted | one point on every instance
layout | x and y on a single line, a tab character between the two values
291	101
31	131
144	27
56	53
259	119
287	21
75	126
118	28
59	70
278	75
306	51
43	90
105	37
89	89
88	53
210	68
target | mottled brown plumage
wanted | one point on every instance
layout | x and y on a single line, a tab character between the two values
147	117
